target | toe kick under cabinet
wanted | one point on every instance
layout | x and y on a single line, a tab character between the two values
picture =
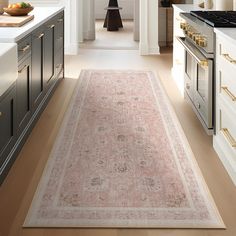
40	68
225	138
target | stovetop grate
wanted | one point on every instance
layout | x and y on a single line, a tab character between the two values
217	18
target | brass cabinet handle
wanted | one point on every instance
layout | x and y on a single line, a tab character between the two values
20	71
229	93
229	58
229	137
60	20
24	49
51	26
0	113
41	35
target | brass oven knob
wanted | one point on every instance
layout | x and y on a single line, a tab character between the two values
202	42
194	36
183	25
190	33
197	38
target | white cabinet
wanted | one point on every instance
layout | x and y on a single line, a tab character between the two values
225	139
178	52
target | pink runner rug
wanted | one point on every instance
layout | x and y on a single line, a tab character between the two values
121	159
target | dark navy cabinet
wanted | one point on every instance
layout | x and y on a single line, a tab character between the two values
7	127
40	68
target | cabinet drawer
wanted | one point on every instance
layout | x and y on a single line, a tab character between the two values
38	34
24	47
227	128
226	54
227	87
7	123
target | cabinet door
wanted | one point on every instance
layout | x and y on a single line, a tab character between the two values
49	53
23	84
7	124
37	68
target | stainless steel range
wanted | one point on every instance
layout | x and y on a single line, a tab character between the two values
199	44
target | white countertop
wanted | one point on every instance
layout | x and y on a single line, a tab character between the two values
8	65
228	33
187	7
41	15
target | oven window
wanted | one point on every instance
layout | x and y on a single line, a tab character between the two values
202	82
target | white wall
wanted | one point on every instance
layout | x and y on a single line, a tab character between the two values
126	13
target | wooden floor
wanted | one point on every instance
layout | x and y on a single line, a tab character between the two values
18	189
108	39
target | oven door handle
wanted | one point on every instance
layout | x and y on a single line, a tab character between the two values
201	60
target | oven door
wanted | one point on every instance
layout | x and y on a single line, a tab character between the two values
199	83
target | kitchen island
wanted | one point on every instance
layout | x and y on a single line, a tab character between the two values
37	67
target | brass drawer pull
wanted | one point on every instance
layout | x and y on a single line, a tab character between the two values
40	36
20	71
24	49
229	58
60	20
229	137
51	26
230	94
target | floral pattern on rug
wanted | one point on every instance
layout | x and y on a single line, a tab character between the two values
121	160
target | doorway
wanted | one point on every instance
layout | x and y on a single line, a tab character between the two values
126	38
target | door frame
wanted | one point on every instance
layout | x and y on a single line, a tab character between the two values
89	20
